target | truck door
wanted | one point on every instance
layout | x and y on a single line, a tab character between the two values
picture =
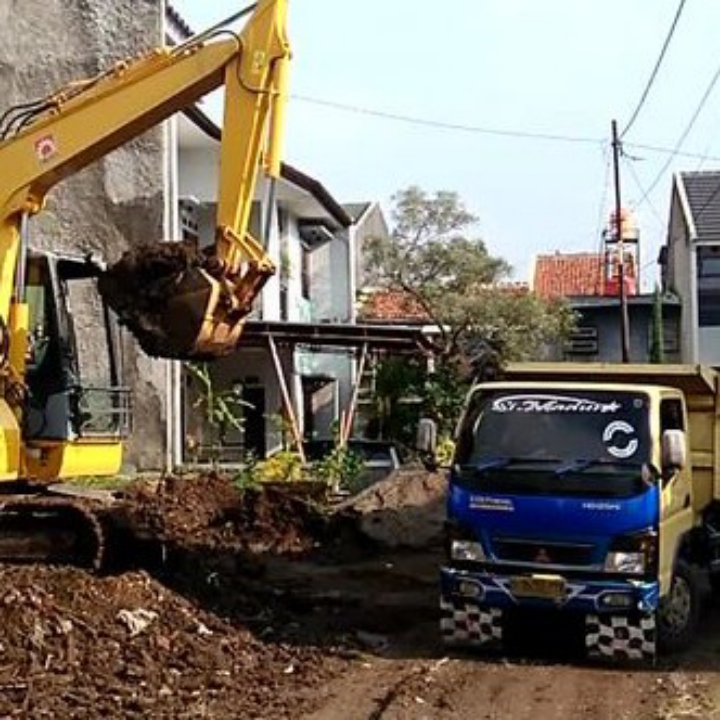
676	504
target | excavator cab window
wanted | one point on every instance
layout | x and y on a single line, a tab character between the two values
72	357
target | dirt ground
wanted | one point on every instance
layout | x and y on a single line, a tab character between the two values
260	606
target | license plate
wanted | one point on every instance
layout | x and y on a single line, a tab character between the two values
539	586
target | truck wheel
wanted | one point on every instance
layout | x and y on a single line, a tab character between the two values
679	611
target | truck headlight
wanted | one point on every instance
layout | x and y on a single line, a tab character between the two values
466	550
633	554
632	563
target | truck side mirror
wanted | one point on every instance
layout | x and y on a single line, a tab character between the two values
426	442
674	450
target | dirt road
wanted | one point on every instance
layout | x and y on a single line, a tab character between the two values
386	606
251	610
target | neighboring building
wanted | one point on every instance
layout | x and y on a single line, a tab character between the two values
118	201
311	286
597	336
566	275
690	263
368	223
589	283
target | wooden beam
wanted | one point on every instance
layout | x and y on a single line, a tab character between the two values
346	426
287	402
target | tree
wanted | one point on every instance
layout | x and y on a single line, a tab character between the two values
432	258
657	341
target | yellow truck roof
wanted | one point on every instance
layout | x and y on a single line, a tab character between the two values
691	379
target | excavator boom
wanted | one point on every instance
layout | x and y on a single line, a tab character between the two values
179	302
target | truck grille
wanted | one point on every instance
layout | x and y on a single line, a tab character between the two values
542	553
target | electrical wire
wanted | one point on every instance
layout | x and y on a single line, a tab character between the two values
501	132
633	174
442	125
654	73
683	137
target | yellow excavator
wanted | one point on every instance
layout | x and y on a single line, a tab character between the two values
178	300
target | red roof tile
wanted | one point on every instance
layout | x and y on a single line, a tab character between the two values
393	306
566	275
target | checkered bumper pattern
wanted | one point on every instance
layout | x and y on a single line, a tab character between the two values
464	623
619	637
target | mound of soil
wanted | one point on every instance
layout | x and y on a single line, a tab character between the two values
407	509
208	511
141	287
76	645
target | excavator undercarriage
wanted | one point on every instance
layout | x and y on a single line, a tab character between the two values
43	528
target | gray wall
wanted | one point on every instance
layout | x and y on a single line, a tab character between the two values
679	275
117	201
606	320
372	226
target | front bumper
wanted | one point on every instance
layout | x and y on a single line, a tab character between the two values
602	596
475	605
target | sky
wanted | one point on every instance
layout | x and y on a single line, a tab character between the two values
557	67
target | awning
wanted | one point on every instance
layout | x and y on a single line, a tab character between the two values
397	338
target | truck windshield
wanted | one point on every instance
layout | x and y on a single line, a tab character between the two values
573	439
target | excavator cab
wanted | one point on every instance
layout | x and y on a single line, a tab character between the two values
73	361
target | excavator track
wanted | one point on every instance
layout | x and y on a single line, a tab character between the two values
53	530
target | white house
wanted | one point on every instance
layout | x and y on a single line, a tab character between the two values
690	263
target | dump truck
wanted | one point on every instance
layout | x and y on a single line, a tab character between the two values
588	490
179	300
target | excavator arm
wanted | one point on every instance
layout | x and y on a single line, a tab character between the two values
179	302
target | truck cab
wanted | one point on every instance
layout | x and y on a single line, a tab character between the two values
575	490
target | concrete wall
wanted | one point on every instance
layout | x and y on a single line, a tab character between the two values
606	320
330	294
373	225
118	201
679	278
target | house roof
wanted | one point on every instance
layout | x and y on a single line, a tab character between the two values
392	306
288	172
702	190
356	210
179	22
568	275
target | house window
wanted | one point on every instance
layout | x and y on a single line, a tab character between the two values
305	271
583	341
708	263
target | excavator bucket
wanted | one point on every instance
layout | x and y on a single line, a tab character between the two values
166	295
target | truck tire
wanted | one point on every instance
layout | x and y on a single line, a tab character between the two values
679	611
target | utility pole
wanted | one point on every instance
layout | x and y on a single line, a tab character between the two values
624	318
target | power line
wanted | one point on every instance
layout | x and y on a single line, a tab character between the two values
498	132
633	174
439	124
683	137
654	73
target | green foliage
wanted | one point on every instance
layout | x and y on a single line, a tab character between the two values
657	341
283	466
445	451
443	395
222	409
341	469
433	257
396	399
